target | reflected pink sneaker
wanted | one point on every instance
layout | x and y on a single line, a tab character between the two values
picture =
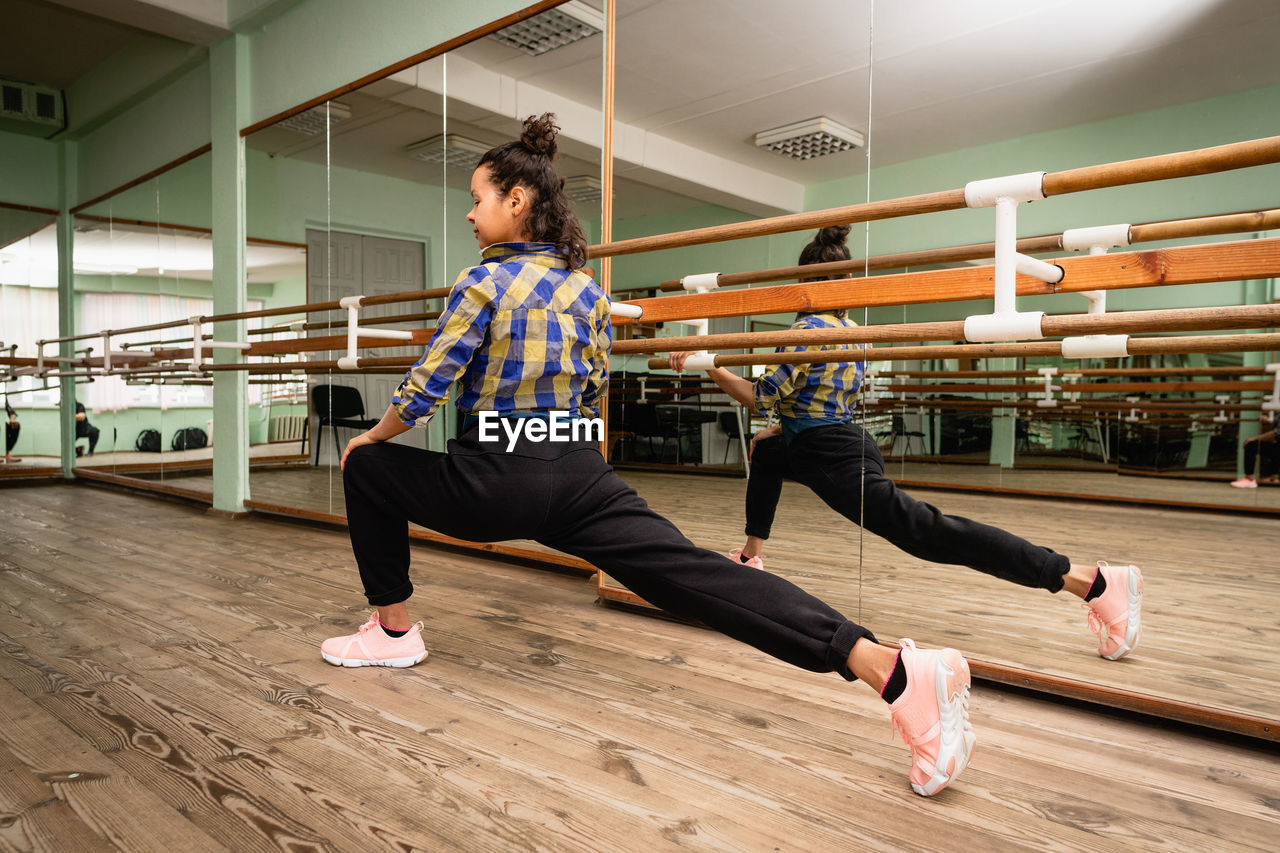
370	646
753	562
933	715
1244	483
1116	615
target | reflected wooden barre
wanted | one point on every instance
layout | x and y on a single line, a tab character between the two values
1204	161
1059	325
1074	387
1234	261
1148	232
1264	342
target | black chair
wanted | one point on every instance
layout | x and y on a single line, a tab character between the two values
900	429
731	426
338	406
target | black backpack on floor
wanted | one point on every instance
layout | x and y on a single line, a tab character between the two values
189	438
148	441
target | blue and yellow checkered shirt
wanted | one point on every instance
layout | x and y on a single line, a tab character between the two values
804	391
522	332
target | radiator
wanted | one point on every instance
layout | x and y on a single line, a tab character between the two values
288	427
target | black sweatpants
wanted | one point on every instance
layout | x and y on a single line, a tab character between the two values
833	461
11	432
84	429
1265	449
565	496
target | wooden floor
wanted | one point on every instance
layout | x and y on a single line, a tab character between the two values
161	689
1211	634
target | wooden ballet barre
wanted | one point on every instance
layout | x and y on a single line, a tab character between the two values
1082	371
1075	387
1227	223
1234	261
1264	342
1222	158
340	324
1059	325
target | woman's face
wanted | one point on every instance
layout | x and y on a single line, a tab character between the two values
496	218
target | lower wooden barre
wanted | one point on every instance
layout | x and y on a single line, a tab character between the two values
1210	318
1264	342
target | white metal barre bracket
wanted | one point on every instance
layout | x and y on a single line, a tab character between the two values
1096	241
699	283
198	344
1272	403
1047	373
1006	323
352	303
1222	400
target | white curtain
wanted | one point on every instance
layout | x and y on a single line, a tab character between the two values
122	310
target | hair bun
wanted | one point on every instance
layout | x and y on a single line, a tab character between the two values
833	235
539	134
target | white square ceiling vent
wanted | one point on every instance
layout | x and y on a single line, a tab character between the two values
450	149
584	189
804	140
316	120
565	24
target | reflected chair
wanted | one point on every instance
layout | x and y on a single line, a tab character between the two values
337	406
731	426
900	430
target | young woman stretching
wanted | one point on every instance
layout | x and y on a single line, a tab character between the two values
526	335
816	443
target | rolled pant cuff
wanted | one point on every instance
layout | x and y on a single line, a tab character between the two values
842	646
395	596
1054	571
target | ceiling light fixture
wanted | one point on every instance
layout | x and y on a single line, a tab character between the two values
805	140
565	24
316	120
450	149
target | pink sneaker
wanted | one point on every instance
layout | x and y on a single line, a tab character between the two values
753	562
1244	483
370	646
933	715
1116	615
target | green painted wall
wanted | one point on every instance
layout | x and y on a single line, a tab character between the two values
28	170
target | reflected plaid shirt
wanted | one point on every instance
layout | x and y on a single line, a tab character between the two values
522	332
811	390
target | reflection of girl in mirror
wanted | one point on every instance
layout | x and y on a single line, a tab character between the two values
1261	447
526	335
11	430
817	443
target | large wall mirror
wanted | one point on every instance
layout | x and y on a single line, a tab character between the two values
968	435
375	183
28	313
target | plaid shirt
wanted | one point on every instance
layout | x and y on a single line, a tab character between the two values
803	391
522	332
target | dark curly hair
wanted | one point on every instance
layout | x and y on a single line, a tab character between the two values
829	244
529	162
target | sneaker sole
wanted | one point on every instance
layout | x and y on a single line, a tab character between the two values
1133	628
396	662
957	739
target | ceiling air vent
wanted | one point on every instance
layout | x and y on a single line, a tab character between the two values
585	189
450	149
31	110
565	24
805	140
316	120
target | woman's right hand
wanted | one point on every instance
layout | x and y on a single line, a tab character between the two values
359	441
763	434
